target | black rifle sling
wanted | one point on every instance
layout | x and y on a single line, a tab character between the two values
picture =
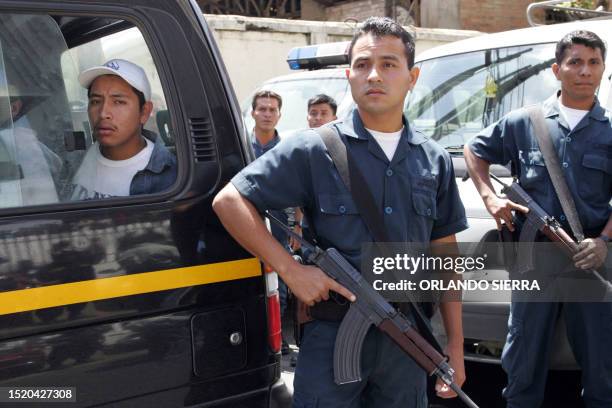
551	159
339	149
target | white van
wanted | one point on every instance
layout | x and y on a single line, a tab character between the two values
463	87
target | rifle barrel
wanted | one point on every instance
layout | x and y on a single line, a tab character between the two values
290	232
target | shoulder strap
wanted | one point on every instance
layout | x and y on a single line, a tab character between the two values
340	152
353	179
551	159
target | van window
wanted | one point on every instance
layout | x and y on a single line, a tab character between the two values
459	95
45	133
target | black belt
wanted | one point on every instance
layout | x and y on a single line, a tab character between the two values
334	309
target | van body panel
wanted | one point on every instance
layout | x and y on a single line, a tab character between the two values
115	321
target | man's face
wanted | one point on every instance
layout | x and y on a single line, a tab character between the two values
114	111
379	74
320	114
266	114
580	72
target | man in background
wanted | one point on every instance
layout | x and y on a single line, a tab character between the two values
321	110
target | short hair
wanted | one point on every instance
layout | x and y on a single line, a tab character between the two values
139	95
381	27
322	98
584	37
266	94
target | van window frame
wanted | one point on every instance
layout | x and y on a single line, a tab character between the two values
154	45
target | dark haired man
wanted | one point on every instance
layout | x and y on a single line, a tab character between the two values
321	110
582	136
392	158
266	113
125	159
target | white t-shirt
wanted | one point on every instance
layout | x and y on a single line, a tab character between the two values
99	177
571	116
387	141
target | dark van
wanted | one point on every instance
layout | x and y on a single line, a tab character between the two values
137	301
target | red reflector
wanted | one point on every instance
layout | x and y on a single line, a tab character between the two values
274	323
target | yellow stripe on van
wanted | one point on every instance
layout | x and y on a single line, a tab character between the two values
24	300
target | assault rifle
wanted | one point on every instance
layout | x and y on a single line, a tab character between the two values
538	220
371	308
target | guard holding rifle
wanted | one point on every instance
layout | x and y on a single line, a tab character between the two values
580	133
413	185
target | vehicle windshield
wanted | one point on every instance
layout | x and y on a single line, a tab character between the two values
458	95
295	94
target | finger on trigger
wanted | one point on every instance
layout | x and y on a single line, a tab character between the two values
519	207
343	291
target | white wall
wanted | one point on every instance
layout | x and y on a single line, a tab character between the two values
255	49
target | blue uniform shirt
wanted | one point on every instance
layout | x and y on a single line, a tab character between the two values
416	191
585	154
260	149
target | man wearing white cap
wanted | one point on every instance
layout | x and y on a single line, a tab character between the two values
125	158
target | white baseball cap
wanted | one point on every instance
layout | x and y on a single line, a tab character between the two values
130	72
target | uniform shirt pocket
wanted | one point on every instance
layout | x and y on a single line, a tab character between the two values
338	223
533	168
424	203
596	176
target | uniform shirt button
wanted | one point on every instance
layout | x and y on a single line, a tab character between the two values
565	165
562	217
429	211
389	172
388	210
568	139
342	209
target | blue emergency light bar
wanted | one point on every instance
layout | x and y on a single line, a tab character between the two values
318	56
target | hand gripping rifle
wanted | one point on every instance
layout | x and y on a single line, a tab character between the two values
538	220
371	308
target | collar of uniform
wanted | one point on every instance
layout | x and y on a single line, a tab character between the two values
597	112
271	143
354	128
551	108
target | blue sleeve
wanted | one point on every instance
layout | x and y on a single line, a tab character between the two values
495	144
450	211
280	178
